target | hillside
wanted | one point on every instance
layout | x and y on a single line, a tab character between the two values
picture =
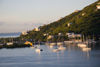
85	22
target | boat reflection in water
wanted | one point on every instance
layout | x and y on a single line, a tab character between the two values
66	55
57	46
60	48
84	47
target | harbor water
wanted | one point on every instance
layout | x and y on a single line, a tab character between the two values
72	56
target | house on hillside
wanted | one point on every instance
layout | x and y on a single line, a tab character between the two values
98	5
83	14
60	34
76	10
50	37
73	35
37	29
45	34
69	24
24	33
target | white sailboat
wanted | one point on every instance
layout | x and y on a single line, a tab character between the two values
38	50
60	43
52	44
86	49
82	45
61	48
55	50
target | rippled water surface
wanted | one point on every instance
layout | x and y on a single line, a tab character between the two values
27	57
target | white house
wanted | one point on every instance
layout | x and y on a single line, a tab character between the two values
60	34
69	24
98	5
73	35
37	29
24	33
45	34
76	10
83	14
50	37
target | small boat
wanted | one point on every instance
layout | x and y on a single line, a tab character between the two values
38	50
86	49
60	43
56	50
61	48
47	43
52	44
32	47
68	42
82	45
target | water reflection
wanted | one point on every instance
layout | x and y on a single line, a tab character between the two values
84	51
72	56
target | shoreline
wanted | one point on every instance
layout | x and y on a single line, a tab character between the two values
16	45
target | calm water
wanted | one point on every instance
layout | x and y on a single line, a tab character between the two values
27	57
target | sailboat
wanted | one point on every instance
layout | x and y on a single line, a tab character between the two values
55	50
38	50
61	48
60	43
86	49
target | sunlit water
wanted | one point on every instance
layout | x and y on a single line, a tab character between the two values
27	57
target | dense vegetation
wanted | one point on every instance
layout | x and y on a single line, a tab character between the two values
14	46
16	43
85	22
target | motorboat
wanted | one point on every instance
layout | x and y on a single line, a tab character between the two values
82	45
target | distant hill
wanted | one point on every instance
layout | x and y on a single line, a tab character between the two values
5	35
85	22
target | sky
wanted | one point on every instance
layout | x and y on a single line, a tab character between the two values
23	15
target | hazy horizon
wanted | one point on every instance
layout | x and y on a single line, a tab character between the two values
23	15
